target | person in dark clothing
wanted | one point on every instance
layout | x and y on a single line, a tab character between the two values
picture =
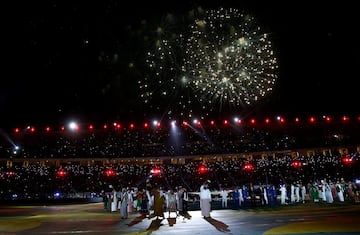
105	200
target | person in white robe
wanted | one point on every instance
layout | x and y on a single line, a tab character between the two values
303	192
328	193
297	193
205	200
123	203
283	194
340	191
224	198
292	193
114	201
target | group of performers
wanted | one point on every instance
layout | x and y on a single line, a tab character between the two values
149	202
155	202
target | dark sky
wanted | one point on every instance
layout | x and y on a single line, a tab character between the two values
71	58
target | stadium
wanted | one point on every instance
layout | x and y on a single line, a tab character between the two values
80	161
123	118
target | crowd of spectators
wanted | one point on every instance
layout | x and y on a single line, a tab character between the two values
83	178
74	179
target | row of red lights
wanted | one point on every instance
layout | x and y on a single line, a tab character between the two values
118	126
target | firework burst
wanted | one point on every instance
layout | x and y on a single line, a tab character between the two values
220	60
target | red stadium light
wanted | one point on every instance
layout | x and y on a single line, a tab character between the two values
297	119
226	122
296	164
156	171
327	119
47	129
345	118
105	126
132	126
117	125
109	172
252	121
202	169
146	125
16	130
212	122
248	167
10	173
61	173
347	160
62	128
312	119
267	120
91	127
280	119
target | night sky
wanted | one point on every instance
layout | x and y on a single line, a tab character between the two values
83	59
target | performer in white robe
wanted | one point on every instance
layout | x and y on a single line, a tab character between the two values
205	200
224	198
123	204
322	191
328	194
283	194
171	205
297	192
130	200
340	191
303	192
114	201
292	193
